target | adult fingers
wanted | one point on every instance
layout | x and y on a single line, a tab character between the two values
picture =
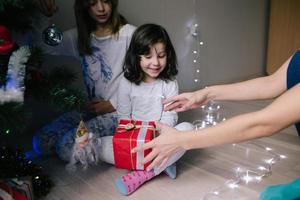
159	125
148	145
155	162
171	99
163	163
172	106
150	157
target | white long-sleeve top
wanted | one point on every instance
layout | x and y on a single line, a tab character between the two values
144	101
102	70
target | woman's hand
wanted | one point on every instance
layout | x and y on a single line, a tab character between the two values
163	146
99	107
47	7
186	101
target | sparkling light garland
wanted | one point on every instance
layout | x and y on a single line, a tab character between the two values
245	175
194	31
210	112
212	115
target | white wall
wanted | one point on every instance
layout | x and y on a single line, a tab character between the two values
233	32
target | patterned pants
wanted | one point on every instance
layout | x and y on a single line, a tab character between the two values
59	135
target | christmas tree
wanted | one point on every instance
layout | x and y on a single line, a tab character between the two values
20	72
21	78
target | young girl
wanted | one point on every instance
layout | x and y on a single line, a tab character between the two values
100	42
150	68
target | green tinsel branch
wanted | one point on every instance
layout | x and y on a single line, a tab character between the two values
66	98
53	88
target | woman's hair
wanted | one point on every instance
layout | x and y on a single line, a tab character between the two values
86	24
142	39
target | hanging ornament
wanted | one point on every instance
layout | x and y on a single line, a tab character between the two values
52	35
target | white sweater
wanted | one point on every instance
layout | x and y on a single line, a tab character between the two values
103	69
144	101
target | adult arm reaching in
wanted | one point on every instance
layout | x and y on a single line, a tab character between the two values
281	113
259	88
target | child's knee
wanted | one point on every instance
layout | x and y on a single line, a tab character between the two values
184	126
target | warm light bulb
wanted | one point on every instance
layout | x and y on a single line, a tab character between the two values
247	178
233	185
262	168
270	161
201	43
282	156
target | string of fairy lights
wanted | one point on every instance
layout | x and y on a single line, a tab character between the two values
212	115
197	44
196	52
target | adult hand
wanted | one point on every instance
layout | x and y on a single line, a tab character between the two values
47	7
99	107
186	101
163	146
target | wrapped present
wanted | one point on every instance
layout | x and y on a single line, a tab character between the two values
23	185
10	192
129	134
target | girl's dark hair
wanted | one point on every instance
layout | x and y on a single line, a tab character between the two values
86	24
142	39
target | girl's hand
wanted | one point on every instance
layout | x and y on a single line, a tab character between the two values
47	7
163	146
99	107
186	101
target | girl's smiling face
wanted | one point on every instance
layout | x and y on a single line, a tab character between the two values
154	63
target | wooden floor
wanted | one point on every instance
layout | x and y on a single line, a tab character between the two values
200	172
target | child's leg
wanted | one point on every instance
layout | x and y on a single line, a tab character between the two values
168	167
103	125
106	152
130	182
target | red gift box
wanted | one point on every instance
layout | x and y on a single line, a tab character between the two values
129	134
16	195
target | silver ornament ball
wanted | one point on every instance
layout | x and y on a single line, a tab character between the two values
52	35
